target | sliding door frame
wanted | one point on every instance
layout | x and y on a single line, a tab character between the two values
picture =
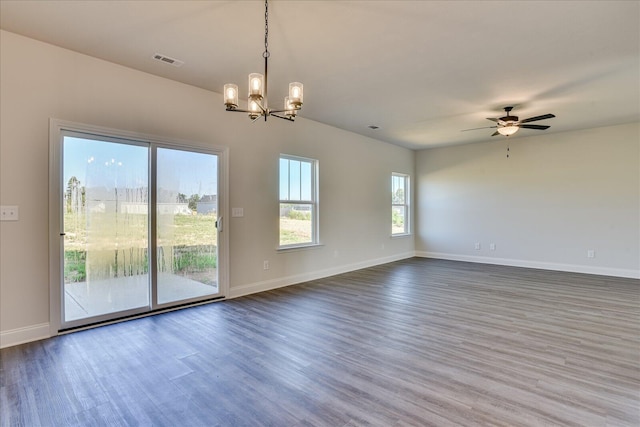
57	129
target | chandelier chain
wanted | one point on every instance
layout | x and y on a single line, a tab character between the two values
266	29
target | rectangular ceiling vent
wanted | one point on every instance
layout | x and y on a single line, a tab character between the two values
168	60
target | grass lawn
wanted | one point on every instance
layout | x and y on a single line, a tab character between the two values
117	245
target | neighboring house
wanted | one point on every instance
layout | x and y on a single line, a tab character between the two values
174	208
207	204
139	208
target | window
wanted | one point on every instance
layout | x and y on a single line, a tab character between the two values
298	202
399	204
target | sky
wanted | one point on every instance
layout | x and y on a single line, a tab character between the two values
100	163
296	177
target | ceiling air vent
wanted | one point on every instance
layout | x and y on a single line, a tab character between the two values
168	60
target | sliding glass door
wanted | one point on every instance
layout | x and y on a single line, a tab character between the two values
139	227
187	211
106	227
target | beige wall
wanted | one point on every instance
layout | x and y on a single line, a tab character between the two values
558	195
39	81
555	198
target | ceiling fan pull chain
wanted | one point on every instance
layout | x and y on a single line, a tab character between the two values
507	149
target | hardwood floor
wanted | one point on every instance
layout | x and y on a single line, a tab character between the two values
412	343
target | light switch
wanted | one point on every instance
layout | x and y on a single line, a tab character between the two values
237	212
9	213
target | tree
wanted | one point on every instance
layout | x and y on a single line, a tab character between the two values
73	187
193	202
398	197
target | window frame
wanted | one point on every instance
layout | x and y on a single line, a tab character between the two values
406	178
313	201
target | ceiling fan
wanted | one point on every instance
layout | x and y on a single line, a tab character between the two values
508	125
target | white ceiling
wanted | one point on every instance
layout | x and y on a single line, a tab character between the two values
421	70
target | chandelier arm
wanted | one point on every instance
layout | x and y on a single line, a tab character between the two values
282	117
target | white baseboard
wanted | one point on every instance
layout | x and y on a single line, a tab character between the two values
572	268
267	285
23	335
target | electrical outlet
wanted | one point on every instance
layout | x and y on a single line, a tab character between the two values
265	265
591	253
492	246
9	213
477	246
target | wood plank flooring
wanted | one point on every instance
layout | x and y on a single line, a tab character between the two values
413	343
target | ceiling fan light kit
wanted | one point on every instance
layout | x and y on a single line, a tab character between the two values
508	129
257	105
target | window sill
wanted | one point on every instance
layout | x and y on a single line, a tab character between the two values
393	236
284	249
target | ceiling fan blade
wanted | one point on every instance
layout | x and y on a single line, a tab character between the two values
495	133
486	127
493	120
539	127
536	118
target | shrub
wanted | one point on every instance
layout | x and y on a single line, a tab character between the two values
293	214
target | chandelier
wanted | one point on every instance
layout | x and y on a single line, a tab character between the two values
257	103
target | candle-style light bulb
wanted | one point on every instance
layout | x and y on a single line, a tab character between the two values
296	94
231	95
254	109
256	85
289	109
